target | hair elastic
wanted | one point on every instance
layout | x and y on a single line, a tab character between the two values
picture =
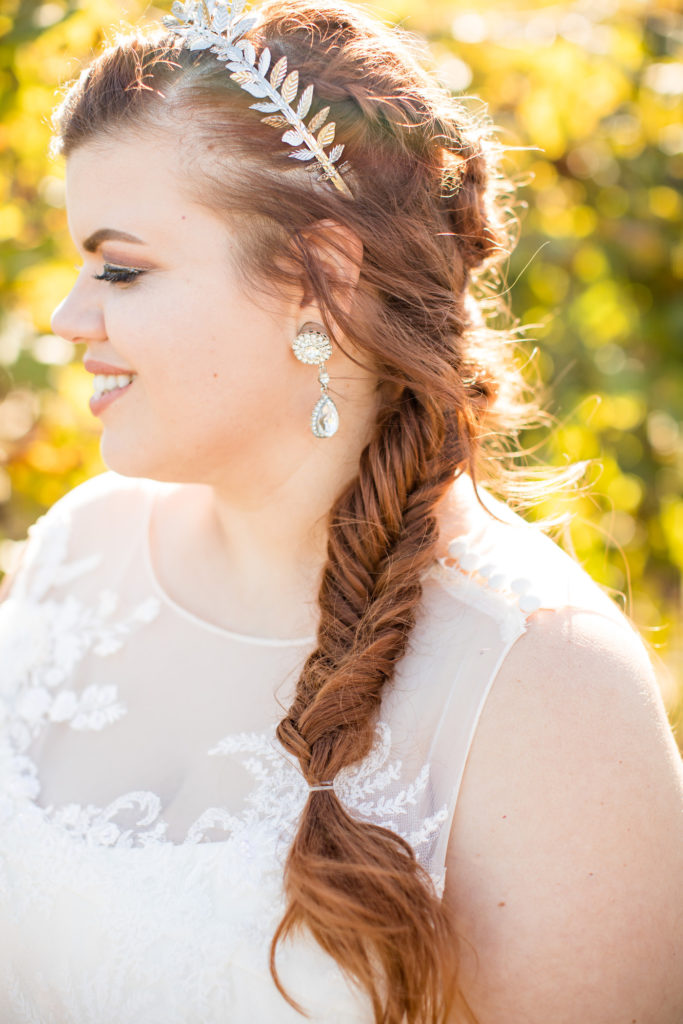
320	786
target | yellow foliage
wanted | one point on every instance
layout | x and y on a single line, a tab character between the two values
590	262
11	221
677	260
604	313
672	524
74	386
539	115
41	287
665	202
577	442
613	201
549	283
623	412
598	139
46	457
542	175
626	491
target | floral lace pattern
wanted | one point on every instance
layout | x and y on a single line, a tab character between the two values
139	901
272	807
45	636
98	825
281	791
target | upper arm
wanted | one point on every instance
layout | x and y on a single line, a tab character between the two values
565	863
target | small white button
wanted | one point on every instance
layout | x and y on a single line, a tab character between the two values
457	548
529	603
486	570
468	561
521	586
496	582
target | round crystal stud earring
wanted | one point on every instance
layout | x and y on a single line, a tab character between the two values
313	347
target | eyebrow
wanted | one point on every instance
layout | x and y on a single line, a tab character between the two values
93	242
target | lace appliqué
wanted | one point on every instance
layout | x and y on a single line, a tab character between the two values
372	790
98	826
44	637
47	635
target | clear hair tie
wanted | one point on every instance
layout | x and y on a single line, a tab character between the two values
320	786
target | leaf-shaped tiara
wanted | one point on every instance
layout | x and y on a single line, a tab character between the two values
218	25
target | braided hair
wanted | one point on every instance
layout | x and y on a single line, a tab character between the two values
429	209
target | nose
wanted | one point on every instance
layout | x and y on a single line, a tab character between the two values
78	317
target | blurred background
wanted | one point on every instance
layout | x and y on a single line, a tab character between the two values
588	97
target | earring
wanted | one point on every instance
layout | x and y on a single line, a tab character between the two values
314	347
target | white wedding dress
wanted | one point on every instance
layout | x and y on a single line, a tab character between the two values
146	807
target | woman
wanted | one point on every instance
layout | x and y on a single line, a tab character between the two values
248	673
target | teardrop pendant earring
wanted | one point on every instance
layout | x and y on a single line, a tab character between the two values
314	348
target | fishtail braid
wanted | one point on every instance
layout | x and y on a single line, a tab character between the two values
420	172
382	538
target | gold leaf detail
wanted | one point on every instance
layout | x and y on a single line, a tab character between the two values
290	87
243	77
305	102
278	73
319	120
326	136
275	121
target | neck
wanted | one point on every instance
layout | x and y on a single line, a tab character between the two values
262	541
273	546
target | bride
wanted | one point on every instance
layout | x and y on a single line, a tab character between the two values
296	716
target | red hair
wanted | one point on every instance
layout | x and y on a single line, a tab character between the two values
429	209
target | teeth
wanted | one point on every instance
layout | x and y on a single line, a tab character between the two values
102	383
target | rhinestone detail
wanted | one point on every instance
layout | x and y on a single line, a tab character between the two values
312	347
324	418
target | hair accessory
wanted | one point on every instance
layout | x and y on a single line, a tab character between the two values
218	25
315	348
320	787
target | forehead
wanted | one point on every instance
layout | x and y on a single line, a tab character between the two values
135	185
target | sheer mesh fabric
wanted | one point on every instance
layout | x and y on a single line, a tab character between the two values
146	807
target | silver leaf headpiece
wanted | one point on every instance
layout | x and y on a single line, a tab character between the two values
219	25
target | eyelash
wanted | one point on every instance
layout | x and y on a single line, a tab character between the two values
117	275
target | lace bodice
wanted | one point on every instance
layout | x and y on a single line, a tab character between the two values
146	806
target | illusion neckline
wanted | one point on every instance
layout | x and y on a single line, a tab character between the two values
467	537
197	620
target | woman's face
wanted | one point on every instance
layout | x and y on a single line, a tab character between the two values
215	382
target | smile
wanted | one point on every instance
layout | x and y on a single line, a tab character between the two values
107	388
102	383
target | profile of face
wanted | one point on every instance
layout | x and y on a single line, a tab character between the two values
216	389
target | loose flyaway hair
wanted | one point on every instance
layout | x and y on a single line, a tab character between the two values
430	207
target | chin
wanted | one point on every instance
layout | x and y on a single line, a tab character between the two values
138	461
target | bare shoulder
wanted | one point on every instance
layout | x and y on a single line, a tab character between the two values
565	864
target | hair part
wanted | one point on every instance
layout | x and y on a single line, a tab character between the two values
430	210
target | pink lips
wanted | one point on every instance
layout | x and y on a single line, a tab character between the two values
97	405
92	366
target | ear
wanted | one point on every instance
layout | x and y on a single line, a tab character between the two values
340	251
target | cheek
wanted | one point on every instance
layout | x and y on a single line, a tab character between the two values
226	360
